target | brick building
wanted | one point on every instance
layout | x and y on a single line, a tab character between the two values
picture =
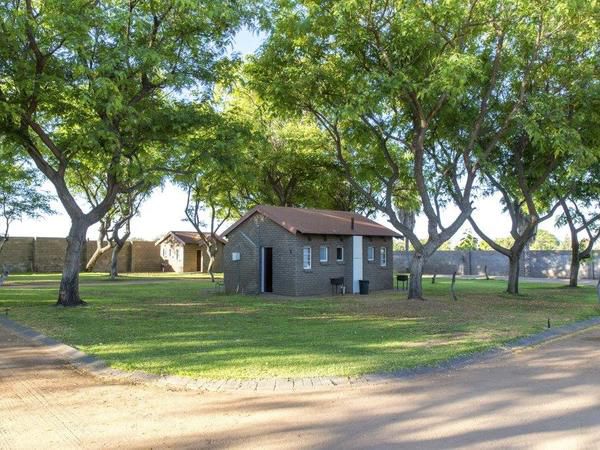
294	251
185	251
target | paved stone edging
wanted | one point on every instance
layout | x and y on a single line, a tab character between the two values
100	369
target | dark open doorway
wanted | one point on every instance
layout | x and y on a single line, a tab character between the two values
267	269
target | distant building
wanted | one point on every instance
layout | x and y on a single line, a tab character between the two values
295	251
185	251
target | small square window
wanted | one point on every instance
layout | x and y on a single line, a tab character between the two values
235	256
339	254
324	254
307	258
371	253
383	256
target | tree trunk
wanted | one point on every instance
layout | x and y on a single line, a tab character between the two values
574	273
114	261
212	252
575	262
100	250
3	241
452	289
69	284
513	275
415	283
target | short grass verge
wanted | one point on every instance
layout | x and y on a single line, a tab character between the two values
20	279
173	325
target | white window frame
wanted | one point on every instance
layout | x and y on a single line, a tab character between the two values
304	265
383	257
176	254
321	248
371	253
336	253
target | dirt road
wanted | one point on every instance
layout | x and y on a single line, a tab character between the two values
547	397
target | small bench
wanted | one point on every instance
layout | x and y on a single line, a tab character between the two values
335	285
402	278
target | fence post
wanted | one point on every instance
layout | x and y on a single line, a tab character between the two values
470	263
34	267
131	243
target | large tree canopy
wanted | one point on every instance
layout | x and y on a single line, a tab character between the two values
580	212
415	95
99	86
284	159
21	195
554	139
243	153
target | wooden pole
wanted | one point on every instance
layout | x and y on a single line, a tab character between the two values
452	287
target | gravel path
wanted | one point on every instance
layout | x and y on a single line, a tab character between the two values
544	397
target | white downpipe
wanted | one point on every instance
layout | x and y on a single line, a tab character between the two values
262	269
357	262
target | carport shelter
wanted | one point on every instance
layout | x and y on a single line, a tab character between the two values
297	252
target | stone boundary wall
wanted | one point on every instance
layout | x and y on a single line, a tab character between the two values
145	257
535	263
44	255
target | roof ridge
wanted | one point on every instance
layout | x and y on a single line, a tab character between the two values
308	209
317	221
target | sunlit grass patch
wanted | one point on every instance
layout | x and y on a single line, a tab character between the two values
173	326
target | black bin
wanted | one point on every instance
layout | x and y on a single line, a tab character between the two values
363	287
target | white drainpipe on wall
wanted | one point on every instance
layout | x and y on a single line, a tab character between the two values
357	262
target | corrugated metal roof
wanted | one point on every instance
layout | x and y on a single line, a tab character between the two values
318	221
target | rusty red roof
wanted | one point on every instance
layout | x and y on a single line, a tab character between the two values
318	221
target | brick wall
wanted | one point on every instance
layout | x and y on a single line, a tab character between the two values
242	276
316	281
103	263
536	263
218	266
27	254
145	257
190	259
289	275
380	277
17	255
49	254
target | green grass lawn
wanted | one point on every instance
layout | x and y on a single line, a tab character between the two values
96	277
172	325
